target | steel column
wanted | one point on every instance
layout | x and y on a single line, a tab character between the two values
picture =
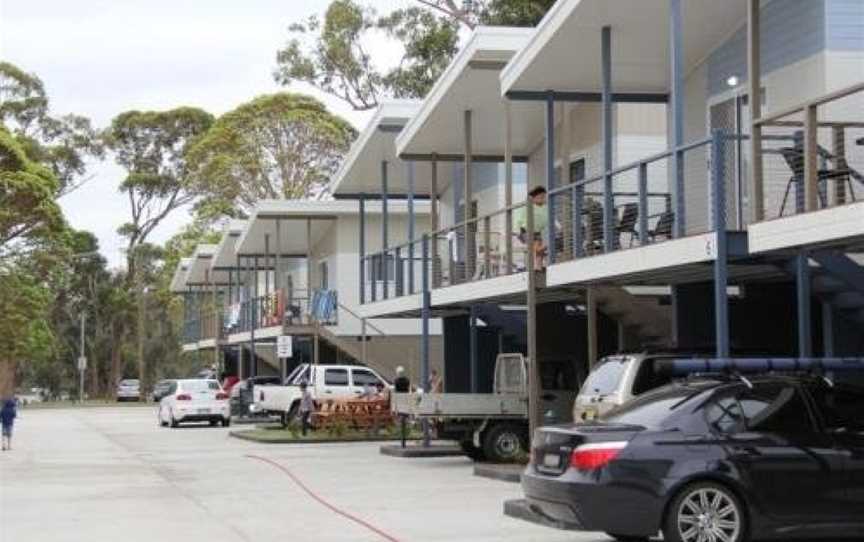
754	74
467	196
676	51
425	313
721	262
643	204
436	271
827	330
608	134
550	179
591	317
277	276
362	228
802	290
384	228
472	348
411	227
253	370
535	416
267	264
308	265
508	188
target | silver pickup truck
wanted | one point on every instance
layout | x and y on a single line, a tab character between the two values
491	426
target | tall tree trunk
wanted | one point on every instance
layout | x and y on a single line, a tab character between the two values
8	369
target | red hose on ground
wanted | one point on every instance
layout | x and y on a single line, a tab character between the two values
312	494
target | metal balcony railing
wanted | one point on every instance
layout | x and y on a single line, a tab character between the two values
629	206
810	156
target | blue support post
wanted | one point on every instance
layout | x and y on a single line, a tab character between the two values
577	193
425	312
827	330
607	130
802	290
676	101
398	272
472	348
643	204
721	261
411	227
362	273
550	177
384	226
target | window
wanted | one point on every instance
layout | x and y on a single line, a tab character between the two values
648	378
767	408
363	377
199	385
652	409
300	374
842	407
604	379
724	415
336	377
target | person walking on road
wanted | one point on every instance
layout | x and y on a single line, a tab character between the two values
7	420
307	406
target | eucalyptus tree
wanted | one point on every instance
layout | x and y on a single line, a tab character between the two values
277	146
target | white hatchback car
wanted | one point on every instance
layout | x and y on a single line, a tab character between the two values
195	400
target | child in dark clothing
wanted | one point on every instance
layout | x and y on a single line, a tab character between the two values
7	421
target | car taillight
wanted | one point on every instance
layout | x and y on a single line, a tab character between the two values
595	455
184	397
221	396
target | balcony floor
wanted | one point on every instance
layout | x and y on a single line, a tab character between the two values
836	226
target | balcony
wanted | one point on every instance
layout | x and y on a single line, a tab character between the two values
809	177
281	309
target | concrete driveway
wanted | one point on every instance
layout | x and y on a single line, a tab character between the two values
105	474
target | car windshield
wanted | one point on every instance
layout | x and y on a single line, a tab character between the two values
604	379
653	408
200	385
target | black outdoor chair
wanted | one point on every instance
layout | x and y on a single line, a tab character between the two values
627	224
594	240
663	228
794	158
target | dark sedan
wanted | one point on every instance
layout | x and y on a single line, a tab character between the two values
711	460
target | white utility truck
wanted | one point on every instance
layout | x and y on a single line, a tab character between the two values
324	381
493	426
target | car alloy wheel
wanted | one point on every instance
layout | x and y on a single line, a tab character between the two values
708	513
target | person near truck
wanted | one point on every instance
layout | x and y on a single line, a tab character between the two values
7	421
307	406
401	384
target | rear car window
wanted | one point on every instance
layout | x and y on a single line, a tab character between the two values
128	382
336	377
200	385
649	378
606	377
362	377
654	408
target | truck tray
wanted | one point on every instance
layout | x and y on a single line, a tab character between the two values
461	405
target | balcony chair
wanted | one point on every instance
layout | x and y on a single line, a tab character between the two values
663	228
794	158
627	224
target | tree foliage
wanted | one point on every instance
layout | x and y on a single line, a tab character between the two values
29	216
278	146
151	146
330	54
64	144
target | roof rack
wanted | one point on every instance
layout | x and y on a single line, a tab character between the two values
737	367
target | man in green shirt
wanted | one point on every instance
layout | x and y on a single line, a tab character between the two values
541	225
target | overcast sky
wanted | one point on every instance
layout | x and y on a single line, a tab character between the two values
101	57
